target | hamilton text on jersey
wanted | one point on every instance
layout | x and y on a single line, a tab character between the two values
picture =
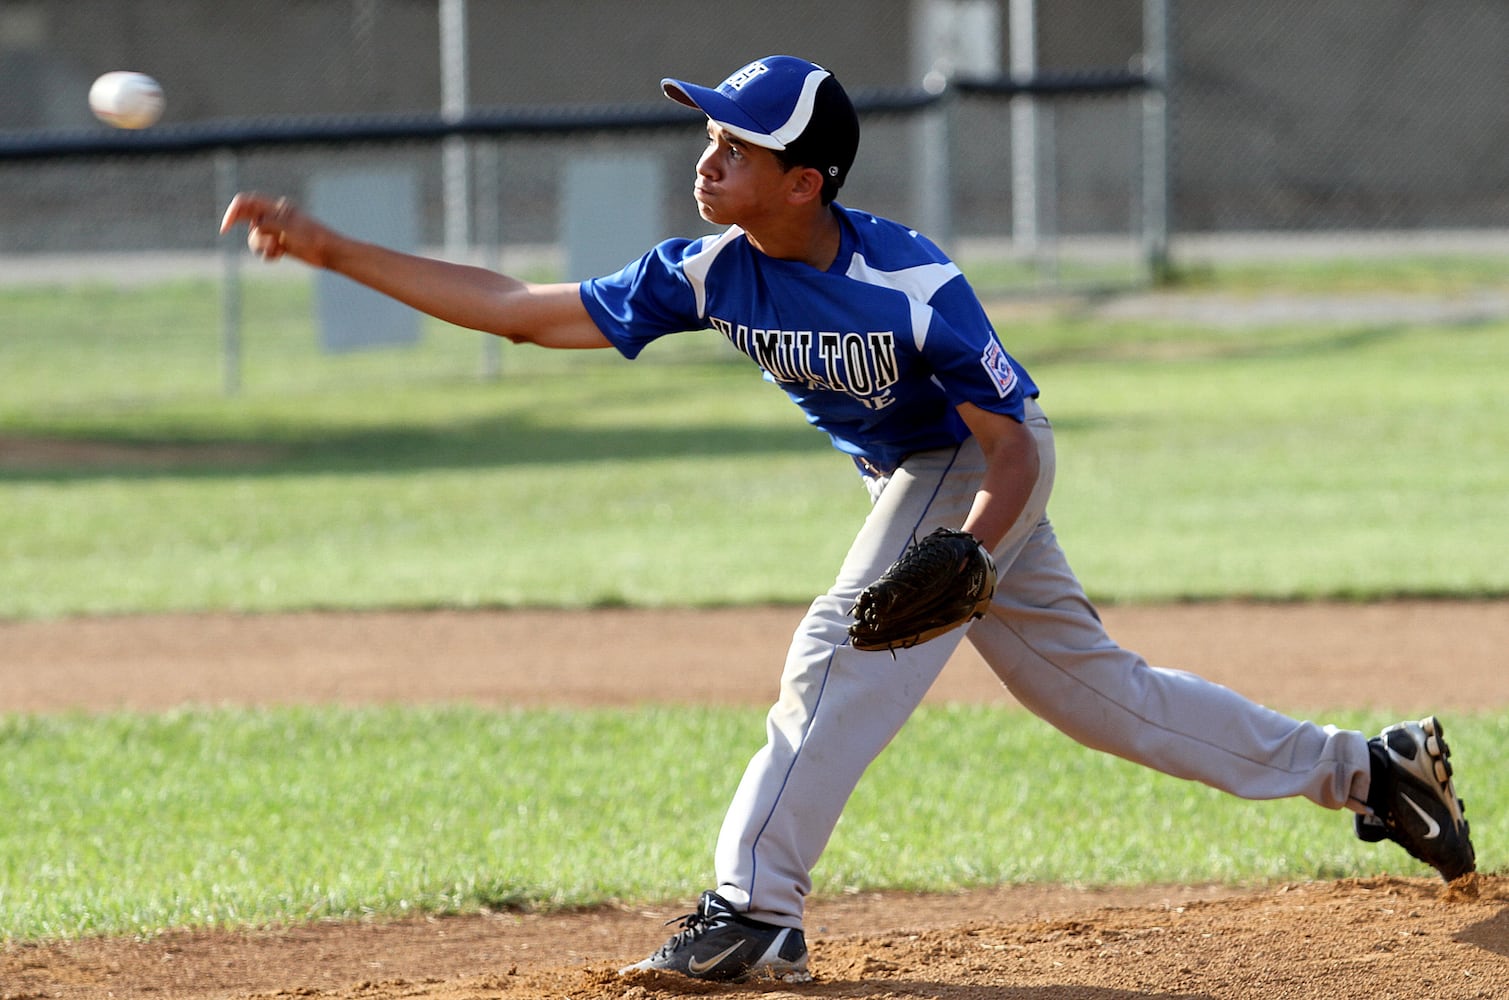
862	365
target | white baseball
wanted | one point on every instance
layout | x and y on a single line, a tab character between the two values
126	100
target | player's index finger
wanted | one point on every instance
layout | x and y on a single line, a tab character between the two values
243	207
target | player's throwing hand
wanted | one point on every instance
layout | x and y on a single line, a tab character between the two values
275	228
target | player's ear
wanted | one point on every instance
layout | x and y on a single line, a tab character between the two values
806	185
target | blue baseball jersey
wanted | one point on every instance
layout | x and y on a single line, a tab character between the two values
877	350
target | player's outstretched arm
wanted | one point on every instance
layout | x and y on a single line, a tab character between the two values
551	315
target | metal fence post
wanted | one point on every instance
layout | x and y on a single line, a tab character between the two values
227	182
1025	197
1156	139
456	160
933	180
489	236
453	104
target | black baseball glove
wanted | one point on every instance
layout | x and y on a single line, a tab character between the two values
937	585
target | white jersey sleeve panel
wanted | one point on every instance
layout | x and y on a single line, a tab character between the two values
919	284
697	265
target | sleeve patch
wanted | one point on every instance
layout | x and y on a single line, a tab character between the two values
998	367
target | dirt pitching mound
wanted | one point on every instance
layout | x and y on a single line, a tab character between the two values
1362	939
1368	938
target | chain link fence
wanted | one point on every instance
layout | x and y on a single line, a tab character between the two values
1302	116
276	58
1352	121
1346	124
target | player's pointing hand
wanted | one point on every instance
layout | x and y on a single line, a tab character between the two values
275	228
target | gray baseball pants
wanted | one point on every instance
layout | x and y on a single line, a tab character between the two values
839	707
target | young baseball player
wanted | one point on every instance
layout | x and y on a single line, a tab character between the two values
878	338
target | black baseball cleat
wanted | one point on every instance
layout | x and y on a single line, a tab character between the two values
1413	801
717	943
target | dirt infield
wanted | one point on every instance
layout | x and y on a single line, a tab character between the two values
1378	937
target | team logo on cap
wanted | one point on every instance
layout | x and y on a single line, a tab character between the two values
743	76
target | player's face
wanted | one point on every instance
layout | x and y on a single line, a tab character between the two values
738	183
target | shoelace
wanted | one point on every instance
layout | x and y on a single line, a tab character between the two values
693	925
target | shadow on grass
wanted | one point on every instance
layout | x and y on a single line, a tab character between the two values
491	442
1216	344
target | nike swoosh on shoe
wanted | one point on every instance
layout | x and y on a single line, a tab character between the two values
697	968
1433	829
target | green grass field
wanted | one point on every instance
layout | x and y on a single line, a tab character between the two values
1292	462
1194	463
129	824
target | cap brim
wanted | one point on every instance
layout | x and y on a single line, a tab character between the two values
721	110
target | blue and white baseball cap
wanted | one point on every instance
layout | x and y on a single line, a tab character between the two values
782	103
